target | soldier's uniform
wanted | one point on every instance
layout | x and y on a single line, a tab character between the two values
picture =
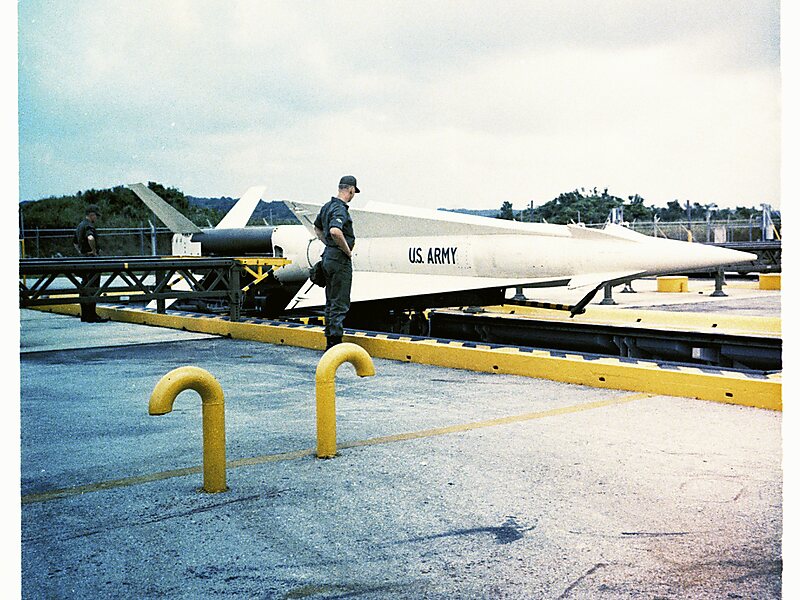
337	266
82	232
85	229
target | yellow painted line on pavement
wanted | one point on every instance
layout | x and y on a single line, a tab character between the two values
493	422
268	458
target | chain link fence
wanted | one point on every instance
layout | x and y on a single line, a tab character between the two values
114	241
712	231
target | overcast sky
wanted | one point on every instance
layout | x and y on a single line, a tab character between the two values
443	104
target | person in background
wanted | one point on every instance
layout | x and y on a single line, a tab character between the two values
87	244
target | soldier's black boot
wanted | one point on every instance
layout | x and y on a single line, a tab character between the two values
332	341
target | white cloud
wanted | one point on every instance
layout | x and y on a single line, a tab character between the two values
474	104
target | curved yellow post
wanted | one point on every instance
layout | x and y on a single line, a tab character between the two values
202	382
326	391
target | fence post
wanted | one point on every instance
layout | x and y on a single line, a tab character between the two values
153	238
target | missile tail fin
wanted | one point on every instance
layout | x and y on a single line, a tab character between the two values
305	213
240	214
166	213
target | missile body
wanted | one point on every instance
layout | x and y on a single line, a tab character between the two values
535	257
404	253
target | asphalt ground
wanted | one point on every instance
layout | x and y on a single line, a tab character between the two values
448	483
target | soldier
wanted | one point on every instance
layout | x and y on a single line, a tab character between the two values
86	242
86	235
334	227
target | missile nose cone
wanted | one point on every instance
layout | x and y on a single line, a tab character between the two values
676	255
714	256
731	256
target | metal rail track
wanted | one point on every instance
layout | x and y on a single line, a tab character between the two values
717	349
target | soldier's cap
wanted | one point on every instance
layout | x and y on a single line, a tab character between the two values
349	180
93	208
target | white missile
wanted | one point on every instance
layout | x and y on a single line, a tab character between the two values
408	257
402	251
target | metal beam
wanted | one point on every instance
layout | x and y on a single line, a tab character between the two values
51	281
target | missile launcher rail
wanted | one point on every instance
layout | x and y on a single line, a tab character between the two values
746	351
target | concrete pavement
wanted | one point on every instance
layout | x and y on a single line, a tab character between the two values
509	487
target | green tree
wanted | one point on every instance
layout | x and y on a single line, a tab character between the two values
577	206
636	210
673	212
506	211
119	206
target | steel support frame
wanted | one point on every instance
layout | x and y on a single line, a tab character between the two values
98	280
768	253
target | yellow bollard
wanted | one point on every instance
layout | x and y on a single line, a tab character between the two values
769	281
202	382
326	391
673	283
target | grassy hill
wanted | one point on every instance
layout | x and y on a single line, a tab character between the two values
271	213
